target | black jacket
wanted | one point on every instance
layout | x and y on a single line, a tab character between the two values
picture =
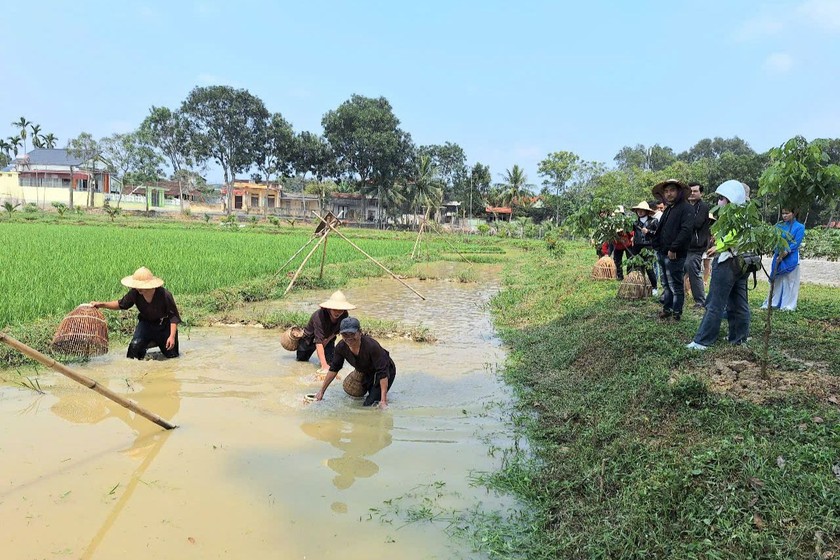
702	228
675	228
640	239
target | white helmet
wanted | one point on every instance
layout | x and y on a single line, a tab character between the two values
733	190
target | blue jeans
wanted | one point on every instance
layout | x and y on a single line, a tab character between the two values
727	293
673	272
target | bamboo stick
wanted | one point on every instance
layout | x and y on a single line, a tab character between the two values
323	256
379	264
417	241
84	380
466	260
279	270
294	278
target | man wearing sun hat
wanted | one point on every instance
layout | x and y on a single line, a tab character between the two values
671	242
158	318
320	333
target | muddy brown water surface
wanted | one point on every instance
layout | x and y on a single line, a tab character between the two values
253	471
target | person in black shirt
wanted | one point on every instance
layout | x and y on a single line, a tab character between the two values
671	242
320	333
158	319
368	357
700	239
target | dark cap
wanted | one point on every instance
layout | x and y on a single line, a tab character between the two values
349	325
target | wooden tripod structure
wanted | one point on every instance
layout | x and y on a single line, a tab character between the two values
329	224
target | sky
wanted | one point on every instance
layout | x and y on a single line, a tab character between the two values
510	82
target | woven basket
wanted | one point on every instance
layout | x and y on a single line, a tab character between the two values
353	384
604	269
290	337
84	332
634	286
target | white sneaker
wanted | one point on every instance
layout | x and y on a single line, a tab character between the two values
694	346
655	292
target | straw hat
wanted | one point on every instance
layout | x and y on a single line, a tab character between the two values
659	188
337	301
712	216
142	279
643	205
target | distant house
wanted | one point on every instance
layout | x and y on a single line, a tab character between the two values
496	212
45	175
352	207
56	168
253	196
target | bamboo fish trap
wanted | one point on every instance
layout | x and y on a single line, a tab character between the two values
290	338
604	269
353	384
83	332
634	286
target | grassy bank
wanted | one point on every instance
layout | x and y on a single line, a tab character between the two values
637	451
52	266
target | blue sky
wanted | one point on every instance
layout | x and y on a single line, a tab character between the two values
509	82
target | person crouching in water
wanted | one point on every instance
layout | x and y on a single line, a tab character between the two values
158	319
368	357
320	333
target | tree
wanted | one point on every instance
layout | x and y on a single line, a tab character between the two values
558	168
5	149
365	136
131	158
714	148
86	148
37	139
225	124
278	148
660	157
167	132
313	154
631	157
50	140
450	162
14	144
426	187
22	125
514	186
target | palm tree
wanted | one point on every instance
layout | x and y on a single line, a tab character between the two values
426	188
14	144
36	136
23	124
5	147
50	140
515	185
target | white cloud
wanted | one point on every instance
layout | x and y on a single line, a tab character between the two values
760	27
778	63
822	13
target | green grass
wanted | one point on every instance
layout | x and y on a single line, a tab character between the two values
632	456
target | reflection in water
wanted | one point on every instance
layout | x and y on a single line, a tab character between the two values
358	435
159	393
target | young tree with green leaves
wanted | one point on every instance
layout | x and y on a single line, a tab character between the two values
558	168
86	148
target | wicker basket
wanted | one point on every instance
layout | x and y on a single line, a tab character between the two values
634	286
604	269
84	332
353	384
290	337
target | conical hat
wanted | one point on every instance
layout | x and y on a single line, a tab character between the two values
643	205
337	301
142	279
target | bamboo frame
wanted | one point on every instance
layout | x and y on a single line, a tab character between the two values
332	228
84	380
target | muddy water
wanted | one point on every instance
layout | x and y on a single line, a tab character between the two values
253	471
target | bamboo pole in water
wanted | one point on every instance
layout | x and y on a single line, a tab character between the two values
379	264
294	278
84	380
279	270
417	241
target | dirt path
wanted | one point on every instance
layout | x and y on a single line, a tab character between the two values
817	271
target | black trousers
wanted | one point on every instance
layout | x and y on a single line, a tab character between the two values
148	335
306	349
375	389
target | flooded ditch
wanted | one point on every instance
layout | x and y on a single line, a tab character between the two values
253	471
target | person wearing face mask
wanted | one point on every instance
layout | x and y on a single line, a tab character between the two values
368	357
785	267
671	242
728	285
320	333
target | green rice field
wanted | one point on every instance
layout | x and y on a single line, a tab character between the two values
48	269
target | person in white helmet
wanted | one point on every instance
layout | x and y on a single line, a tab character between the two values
728	286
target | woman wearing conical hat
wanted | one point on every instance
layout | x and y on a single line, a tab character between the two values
158	319
320	333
